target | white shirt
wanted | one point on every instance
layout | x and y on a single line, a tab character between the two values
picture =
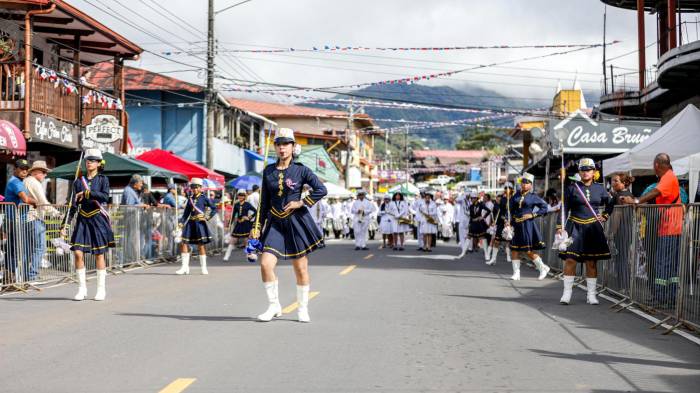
254	199
446	213
362	210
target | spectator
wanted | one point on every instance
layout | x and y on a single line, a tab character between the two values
131	192
15	193
169	198
666	192
36	228
254	196
553	202
621	184
147	197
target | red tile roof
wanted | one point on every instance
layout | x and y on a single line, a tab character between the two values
462	154
269	109
139	79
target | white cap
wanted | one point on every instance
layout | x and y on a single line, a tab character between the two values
93	154
284	135
196	182
528	176
241	192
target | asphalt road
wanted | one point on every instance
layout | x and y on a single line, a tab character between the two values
397	322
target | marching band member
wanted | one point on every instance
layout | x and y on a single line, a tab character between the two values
445	217
373	220
462	208
477	223
502	220
418	219
194	223
487	213
93	230
428	224
398	209
362	210
347	218
385	222
526	237
318	211
337	214
288	230
584	225
242	218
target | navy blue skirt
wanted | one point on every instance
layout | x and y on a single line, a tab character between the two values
291	237
242	229
526	236
92	235
589	242
477	228
196	232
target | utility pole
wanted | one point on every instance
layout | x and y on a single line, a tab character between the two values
405	152
348	158
211	94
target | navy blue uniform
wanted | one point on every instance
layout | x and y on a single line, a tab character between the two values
93	231
500	211
289	235
526	235
477	224
194	219
241	210
589	242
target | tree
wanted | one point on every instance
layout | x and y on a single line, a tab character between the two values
483	138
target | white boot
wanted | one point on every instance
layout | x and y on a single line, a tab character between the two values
509	258
516	270
494	255
274	308
101	291
185	268
203	264
82	285
487	253
303	300
544	269
568	287
592	290
229	249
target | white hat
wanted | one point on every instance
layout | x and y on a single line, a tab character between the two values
284	135
361	192
93	154
196	182
508	185
586	164
241	192
528	177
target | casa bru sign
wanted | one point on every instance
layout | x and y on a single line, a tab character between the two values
104	133
588	136
49	130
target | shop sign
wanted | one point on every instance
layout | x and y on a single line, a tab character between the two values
49	130
104	133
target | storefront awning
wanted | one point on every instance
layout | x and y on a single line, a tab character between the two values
11	138
168	160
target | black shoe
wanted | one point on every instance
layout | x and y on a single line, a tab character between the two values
400	248
431	250
365	248
420	249
395	249
357	248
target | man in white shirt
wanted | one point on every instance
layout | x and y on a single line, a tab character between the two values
418	219
36	244
362	211
337	214
318	210
446	212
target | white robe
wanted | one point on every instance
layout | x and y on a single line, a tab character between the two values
425	210
398	209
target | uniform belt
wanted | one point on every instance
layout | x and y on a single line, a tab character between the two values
280	214
584	221
90	213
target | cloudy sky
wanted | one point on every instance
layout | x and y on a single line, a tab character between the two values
308	23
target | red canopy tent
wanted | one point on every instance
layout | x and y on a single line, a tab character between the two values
168	160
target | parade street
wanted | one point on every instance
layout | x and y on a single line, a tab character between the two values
382	321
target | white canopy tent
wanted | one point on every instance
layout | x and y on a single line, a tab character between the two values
679	138
336	191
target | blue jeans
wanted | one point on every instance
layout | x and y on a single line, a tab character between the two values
36	248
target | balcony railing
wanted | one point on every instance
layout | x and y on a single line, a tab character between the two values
54	94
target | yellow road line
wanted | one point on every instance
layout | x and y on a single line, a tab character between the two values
369	256
295	305
348	270
178	385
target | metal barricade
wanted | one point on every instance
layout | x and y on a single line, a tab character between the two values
654	273
13	258
689	285
548	229
620	230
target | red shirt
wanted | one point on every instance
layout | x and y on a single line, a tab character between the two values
671	222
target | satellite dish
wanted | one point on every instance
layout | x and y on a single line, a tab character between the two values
535	149
536	132
561	134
